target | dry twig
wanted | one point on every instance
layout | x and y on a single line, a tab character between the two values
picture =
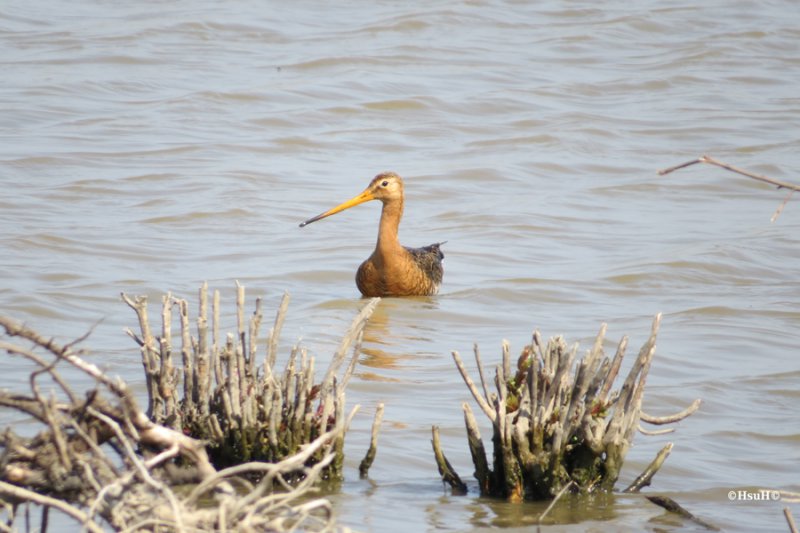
711	161
671	419
787	513
552	504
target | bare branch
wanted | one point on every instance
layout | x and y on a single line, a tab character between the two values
446	470
644	479
790	520
758	177
366	463
651	433
673	507
12	491
711	161
555	500
670	419
485	407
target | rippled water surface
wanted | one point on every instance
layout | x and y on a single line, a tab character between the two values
149	146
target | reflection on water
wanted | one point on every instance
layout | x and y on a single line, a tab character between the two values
570	509
392	327
150	150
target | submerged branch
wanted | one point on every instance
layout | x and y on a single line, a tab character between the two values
673	507
554	502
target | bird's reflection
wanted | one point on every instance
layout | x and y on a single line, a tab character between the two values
393	332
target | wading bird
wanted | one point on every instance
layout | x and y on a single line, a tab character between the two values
392	269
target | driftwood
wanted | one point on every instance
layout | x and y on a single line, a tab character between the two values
553	426
101	461
234	397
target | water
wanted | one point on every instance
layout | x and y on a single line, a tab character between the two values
148	147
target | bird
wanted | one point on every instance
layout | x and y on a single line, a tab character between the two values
392	269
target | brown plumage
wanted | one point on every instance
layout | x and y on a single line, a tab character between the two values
392	269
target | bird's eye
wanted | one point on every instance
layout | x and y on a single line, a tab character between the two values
385	183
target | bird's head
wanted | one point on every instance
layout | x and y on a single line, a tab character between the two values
386	187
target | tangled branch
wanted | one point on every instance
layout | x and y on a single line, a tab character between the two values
101	461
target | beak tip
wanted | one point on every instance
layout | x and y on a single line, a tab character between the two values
309	221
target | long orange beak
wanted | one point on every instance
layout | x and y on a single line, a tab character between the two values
365	196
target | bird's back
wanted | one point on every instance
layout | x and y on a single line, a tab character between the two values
429	259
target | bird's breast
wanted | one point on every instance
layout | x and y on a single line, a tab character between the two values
407	272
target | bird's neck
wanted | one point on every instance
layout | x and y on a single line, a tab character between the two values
390	221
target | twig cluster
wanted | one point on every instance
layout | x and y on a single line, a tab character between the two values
234	397
101	461
553	426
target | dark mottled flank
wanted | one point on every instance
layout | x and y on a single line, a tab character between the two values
429	259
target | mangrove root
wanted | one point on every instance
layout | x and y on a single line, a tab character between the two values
366	463
233	396
446	470
553	426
